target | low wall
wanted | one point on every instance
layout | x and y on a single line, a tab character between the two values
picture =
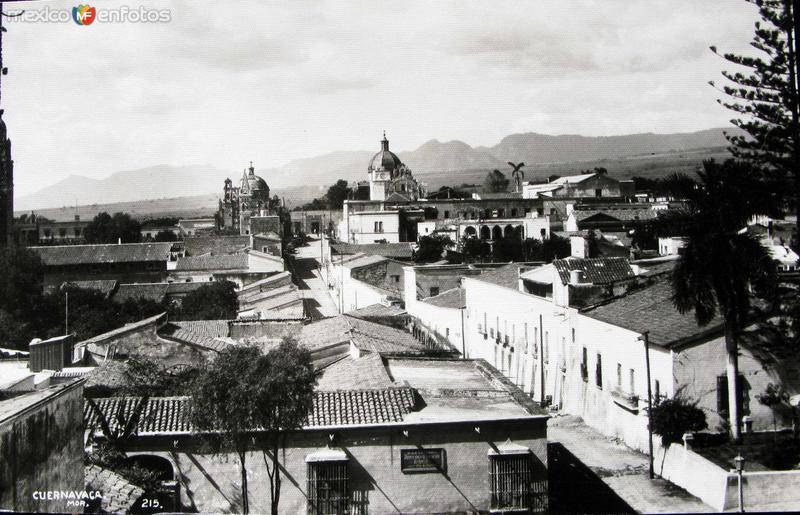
765	490
719	488
694	473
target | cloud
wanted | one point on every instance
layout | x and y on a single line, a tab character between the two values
274	81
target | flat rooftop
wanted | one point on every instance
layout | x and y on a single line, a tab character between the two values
460	390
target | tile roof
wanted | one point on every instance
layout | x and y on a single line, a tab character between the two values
373	337
217	245
155	321
500	195
330	408
377	310
105	253
156	292
177	333
161	415
104	286
391	250
326	331
596	270
349	372
360	260
355	407
455	298
212	262
118	494
183	288
624	214
506	276
210	328
651	309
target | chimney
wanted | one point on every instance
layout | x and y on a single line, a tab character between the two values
52	354
119	241
575	276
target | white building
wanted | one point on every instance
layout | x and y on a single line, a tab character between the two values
591	361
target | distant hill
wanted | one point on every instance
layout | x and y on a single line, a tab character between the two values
434	161
540	148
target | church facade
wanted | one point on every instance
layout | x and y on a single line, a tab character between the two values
240	203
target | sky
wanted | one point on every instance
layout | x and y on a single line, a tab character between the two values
224	83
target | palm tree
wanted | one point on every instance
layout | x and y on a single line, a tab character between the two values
722	266
517	175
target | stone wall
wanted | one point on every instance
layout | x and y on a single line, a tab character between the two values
41	448
376	483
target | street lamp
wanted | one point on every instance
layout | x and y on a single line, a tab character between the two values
739	462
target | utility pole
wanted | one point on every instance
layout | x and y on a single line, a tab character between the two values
646	338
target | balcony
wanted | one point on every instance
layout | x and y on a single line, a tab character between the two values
625	400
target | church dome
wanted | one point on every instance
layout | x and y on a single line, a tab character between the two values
385	159
252	182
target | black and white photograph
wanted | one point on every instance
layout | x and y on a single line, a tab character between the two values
348	257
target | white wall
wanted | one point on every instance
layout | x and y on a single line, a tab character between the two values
603	407
361	227
349	293
449	323
516	315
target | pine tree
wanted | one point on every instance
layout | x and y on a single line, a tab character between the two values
766	96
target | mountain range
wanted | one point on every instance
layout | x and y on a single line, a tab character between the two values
309	176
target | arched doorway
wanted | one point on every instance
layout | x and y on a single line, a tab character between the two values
470	232
162	494
486	233
497	232
508	231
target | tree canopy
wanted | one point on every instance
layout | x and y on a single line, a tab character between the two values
432	247
765	97
212	301
495	182
105	228
245	393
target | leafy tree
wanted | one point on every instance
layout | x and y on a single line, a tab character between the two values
546	250
283	396
475	249
431	248
672	418
495	182
720	266
105	228
508	249
166	235
243	390
21	286
766	96
337	194
223	410
772	397
213	301
20	295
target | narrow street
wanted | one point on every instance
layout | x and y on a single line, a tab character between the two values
318	301
591	473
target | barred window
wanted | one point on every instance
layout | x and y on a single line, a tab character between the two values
327	488
512	485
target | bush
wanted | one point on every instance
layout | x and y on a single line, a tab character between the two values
671	418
